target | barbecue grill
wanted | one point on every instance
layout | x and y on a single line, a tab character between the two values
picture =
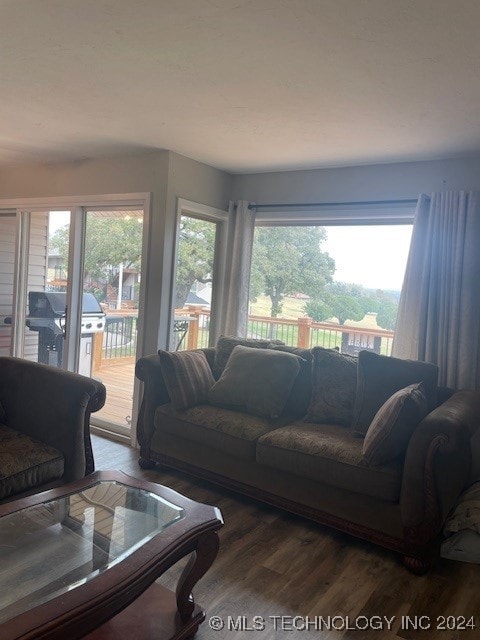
47	316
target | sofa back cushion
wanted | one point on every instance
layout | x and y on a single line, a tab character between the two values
379	377
391	428
226	344
187	376
334	385
299	399
257	381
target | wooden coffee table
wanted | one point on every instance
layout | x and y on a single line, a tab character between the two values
81	561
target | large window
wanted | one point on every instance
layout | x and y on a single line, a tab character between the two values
332	286
199	267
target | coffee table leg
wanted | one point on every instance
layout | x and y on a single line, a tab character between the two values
199	563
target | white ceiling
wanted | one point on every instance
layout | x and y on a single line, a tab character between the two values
243	85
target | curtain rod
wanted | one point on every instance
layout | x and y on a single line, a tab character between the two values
331	204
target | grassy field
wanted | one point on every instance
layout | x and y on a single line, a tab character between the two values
288	333
292	308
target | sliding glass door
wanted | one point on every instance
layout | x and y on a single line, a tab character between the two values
69	295
111	278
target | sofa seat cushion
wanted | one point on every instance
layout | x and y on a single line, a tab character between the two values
233	432
26	463
331	455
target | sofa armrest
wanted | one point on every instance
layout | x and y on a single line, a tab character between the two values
53	406
155	393
437	465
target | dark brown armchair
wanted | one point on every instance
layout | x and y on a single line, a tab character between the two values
44	425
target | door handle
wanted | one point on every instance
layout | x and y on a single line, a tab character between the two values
63	325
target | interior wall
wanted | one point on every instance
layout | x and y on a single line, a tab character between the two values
370	182
164	174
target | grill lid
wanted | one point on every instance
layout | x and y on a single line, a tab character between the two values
50	304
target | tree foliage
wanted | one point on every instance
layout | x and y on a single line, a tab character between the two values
342	306
349	301
108	242
289	260
111	241
196	247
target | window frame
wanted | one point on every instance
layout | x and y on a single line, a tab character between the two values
221	219
387	213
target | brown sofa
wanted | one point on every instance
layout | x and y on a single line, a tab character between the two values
318	470
44	426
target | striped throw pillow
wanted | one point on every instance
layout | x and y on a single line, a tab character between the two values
187	376
394	423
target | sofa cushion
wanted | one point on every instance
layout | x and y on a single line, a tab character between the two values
334	387
257	381
388	435
226	344
379	377
26	463
232	432
301	393
328	454
187	376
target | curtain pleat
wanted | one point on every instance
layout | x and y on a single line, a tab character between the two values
439	311
235	312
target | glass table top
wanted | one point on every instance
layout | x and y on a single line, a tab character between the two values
56	546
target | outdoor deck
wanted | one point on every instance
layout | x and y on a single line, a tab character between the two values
118	377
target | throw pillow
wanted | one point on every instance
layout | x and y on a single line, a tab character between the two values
379	377
187	376
256	380
301	393
388	435
334	385
226	344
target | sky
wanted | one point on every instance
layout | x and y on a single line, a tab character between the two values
373	256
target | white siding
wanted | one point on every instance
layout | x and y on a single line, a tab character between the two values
7	262
37	272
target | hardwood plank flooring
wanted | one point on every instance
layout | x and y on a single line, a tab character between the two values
274	564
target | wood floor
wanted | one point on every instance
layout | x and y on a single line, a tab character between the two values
273	564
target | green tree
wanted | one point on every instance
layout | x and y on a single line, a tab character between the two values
320	309
349	301
344	307
109	242
196	247
387	314
288	260
347	308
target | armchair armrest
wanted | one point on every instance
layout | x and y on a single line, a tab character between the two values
155	393
437	465
53	406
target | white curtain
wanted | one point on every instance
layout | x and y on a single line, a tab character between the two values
235	307
439	313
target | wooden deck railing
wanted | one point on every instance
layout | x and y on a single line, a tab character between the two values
300	332
118	343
